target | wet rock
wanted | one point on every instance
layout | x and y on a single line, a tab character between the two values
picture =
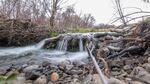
66	62
87	79
41	80
127	68
21	76
3	71
73	72
69	67
115	81
148	59
50	82
78	63
146	66
76	81
30	68
24	65
46	63
54	76
136	82
28	82
32	75
115	73
96	79
116	64
141	74
61	66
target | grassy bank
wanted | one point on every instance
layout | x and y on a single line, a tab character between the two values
85	30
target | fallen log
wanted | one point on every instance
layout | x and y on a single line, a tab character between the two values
101	75
131	50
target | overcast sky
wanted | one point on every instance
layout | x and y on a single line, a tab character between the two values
103	10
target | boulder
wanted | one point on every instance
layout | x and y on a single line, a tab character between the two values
41	80
30	68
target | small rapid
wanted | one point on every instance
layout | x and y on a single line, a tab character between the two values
36	52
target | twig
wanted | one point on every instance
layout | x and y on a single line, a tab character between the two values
102	77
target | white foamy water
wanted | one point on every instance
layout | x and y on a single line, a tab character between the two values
59	56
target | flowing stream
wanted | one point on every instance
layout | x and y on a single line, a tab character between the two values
36	53
15	55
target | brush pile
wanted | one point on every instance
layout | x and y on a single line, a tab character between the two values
15	32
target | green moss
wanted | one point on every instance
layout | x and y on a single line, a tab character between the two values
54	34
85	30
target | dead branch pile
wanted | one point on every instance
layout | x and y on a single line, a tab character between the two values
15	32
126	53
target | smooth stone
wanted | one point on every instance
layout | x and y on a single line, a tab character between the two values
141	73
66	62
69	67
54	76
87	79
73	72
115	81
32	75
135	82
96	79
146	66
127	67
148	59
50	82
76	81
30	68
46	63
41	80
115	73
4	70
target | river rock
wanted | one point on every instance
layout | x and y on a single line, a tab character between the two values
141	74
87	79
2	71
54	76
30	68
5	69
66	62
32	75
115	73
146	66
41	80
115	81
135	82
46	64
69	67
75	81
127	68
96	79
73	72
148	59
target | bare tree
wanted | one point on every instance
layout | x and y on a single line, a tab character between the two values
120	12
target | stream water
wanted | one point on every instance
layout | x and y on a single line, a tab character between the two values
35	53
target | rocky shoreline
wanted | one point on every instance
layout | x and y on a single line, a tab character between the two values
122	71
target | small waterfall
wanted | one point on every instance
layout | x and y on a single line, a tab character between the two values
62	45
81	44
41	44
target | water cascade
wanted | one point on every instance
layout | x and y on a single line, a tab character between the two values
38	53
81	44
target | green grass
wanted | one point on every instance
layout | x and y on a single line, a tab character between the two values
85	30
54	34
8	79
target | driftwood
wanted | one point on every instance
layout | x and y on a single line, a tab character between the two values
131	50
124	39
101	75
